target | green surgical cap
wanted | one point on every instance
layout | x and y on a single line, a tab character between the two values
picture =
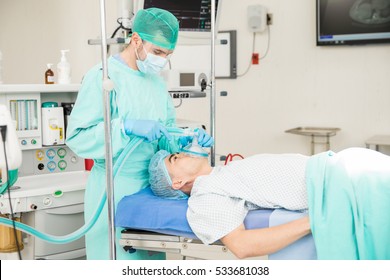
157	26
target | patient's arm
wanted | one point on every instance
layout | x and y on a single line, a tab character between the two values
257	242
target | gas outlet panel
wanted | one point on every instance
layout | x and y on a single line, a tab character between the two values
56	159
48	160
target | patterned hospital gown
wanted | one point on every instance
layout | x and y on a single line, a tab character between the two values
220	201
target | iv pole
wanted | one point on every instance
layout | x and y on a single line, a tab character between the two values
213	89
108	86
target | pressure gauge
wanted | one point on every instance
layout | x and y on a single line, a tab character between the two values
62	164
39	154
61	152
51	153
51	165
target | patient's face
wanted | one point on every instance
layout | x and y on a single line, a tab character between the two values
183	166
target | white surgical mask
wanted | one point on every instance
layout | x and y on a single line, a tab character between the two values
152	64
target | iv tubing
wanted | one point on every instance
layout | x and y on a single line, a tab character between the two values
86	227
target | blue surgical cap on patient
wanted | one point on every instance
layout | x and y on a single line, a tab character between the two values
160	181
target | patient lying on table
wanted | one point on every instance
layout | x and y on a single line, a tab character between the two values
222	196
347	195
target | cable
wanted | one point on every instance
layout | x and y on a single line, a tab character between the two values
117	29
230	157
268	43
121	25
250	61
181	102
253	51
113	35
3	129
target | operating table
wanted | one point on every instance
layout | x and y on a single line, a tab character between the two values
151	223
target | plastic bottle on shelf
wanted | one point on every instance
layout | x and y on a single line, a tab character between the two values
49	74
63	69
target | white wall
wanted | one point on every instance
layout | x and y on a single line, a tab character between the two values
32	33
297	84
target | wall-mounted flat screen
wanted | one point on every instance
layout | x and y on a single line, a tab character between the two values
352	22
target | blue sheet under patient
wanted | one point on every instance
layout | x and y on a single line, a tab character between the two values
145	211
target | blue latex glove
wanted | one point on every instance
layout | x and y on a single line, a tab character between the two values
204	139
150	130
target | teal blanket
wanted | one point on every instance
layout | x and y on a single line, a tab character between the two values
349	204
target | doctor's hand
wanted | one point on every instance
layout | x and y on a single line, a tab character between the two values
150	130
204	139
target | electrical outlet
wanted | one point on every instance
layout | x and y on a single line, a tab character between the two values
270	19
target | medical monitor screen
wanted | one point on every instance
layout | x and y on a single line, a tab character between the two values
193	15
352	22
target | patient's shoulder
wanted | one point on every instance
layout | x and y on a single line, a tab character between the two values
215	181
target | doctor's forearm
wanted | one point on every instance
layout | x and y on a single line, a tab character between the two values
89	142
257	242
